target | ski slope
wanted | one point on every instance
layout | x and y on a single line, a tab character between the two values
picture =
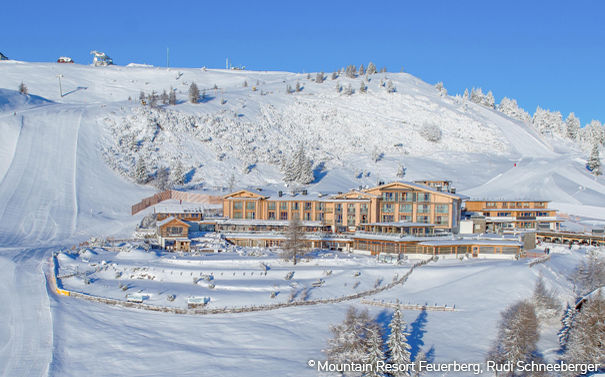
66	165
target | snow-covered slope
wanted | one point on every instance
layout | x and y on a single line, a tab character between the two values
67	162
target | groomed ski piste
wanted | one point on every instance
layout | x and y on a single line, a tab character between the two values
65	177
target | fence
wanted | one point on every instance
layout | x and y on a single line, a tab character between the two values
178	195
225	310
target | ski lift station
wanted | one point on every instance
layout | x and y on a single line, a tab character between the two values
101	59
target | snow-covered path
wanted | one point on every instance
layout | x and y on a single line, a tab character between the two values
26	340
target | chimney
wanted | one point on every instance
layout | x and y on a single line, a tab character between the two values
380	183
280	193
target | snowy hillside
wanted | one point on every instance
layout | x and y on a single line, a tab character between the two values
64	159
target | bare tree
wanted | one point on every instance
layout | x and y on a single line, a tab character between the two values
547	306
294	240
349	339
162	179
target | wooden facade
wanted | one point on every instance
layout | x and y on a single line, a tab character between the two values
173	234
346	212
514	214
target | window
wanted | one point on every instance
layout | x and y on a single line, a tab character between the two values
271	215
319	217
405	218
351	220
363	208
250	215
387	218
250	205
237	205
387	196
442	208
237	214
283	215
295	206
490	204
388	208
307	206
320	206
408	196
175	230
424	197
271	205
424	208
351	209
338	207
307	216
407	208
283	205
339	219
441	220
364	219
422	219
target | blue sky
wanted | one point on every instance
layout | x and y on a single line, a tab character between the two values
547	53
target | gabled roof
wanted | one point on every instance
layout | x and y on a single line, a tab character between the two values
416	186
245	194
171	219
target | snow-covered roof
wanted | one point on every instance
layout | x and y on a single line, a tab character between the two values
421	187
399	237
474	242
265	222
169	219
282	236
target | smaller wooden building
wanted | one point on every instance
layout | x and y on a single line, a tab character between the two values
173	234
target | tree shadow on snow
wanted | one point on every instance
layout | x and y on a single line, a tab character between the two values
417	331
319	172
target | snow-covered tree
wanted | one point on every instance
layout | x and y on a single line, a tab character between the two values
162	179
299	169
489	100
288	89
349	90
593	133
390	87
172	97
572	125
319	78
383	70
441	89
351	71
509	107
431	132
348	343
362	70
466	96
594	162
586	343
363	88
194	93
545	302
589	274
152	99
298	87
231	182
401	171
141	174
178	174
517	335
338	87
374	349
22	88
334	75
164	97
548	122
371	69
477	95
397	343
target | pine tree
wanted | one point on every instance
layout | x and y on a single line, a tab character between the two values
509	107
348	342
489	100
319	78
401	171
178	174
594	162
374	350
362	70
142	97
338	87
194	93
390	87
349	90
231	182
164	97
397	344
363	88
172	97
140	172
22	88
152	99
162	181
371	69
572	125
586	343
298	87
299	169
465	96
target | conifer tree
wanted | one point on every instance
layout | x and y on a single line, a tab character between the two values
465	96
164	97
348	342
401	171
194	93
363	88
362	70
374	350
319	78
172	97
334	75
371	69
390	87
567	323
142	97
299	169
298	87
547	306
178	174
397	343
594	162
22	88
572	125
141	174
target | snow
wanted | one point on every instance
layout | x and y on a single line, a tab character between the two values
65	163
